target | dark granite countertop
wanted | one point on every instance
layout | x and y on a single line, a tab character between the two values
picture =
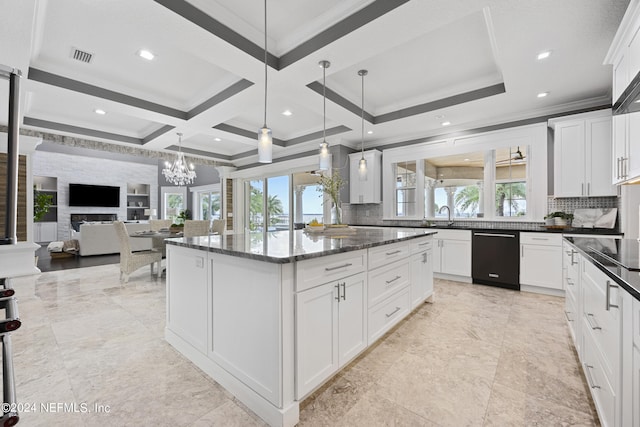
609	255
285	246
512	227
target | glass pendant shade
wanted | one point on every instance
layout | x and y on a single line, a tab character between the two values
325	158
265	145
362	169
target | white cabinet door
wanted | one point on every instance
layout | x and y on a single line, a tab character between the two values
437	256
316	336
541	266
632	163
456	257
598	158
331	329
619	145
352	317
49	231
421	277
635	394
620	76
569	163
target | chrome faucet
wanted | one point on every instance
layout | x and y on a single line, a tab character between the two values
449	220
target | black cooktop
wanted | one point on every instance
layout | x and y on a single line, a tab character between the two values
623	252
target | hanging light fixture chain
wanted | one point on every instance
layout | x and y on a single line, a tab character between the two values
362	139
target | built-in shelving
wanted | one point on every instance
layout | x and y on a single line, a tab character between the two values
138	199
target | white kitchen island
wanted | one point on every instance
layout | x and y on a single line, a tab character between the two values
273	316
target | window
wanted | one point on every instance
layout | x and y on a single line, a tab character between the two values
208	204
457	182
268	204
405	173
307	199
174	200
511	183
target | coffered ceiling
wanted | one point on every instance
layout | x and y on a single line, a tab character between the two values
470	63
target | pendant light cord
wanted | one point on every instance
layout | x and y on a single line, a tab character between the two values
265	64
362	140
324	103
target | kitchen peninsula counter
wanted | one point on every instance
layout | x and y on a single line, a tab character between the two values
272	316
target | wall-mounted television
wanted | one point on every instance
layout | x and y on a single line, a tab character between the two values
94	195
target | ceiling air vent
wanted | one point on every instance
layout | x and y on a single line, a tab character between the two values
81	55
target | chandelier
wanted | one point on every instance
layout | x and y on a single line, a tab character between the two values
178	172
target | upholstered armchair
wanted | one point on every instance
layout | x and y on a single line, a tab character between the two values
131	261
159	224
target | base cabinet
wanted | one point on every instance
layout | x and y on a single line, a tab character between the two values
541	260
421	273
331	329
452	253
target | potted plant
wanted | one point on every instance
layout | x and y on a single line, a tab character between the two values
41	204
178	225
332	185
558	218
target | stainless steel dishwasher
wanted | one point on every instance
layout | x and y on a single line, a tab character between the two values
495	258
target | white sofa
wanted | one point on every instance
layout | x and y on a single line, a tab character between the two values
100	239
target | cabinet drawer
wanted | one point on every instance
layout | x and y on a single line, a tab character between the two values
454	235
573	316
388	313
421	244
602	390
386	280
385	254
316	271
603	324
545	239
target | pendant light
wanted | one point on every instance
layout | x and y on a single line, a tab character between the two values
179	172
362	165
265	139
325	163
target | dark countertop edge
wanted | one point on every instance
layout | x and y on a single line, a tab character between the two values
294	258
619	280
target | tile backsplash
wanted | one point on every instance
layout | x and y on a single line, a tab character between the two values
371	214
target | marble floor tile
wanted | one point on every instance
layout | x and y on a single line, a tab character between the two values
475	355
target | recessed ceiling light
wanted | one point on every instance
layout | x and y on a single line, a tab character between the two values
370	132
99	111
217	139
287	113
467	160
544	55
146	54
445	123
543	94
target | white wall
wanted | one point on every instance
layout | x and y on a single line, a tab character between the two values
89	170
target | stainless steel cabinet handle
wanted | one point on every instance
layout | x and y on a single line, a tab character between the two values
588	188
338	289
589	317
393	280
424	258
609	286
511	236
393	312
572	254
619	174
566	314
587	371
393	253
344	291
539	238
582	189
340	266
570	282
424	243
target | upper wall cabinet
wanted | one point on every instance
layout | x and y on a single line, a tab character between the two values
366	188
624	56
582	155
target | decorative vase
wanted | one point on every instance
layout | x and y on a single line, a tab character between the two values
336	214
